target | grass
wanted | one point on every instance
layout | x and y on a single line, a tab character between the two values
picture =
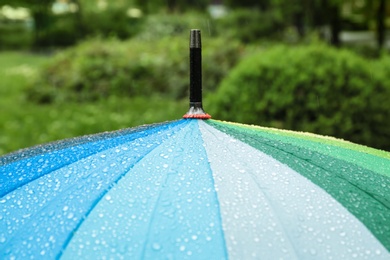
24	124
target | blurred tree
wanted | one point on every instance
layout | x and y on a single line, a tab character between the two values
380	25
333	8
40	11
79	18
263	5
314	14
373	13
171	5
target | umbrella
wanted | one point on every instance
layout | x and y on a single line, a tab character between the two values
195	188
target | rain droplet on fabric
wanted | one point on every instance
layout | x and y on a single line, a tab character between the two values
156	246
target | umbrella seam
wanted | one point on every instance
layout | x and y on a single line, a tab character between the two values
65	245
322	168
48	147
280	137
328	171
328	140
266	197
93	205
152	217
372	195
216	197
336	175
70	163
276	215
153	214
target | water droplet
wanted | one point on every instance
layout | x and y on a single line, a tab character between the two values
65	208
156	246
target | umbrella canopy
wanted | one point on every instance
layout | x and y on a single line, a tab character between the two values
194	188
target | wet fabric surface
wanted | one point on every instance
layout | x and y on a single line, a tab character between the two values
195	189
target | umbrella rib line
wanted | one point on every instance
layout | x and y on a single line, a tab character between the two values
261	133
337	175
216	197
341	177
70	163
80	140
219	215
372	195
153	214
276	215
62	166
268	199
328	140
65	245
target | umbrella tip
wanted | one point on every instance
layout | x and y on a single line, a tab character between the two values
196	110
195	40
196	113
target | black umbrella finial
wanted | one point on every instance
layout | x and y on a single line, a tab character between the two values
196	110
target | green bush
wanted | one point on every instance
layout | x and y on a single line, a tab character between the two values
310	88
112	22
24	123
100	68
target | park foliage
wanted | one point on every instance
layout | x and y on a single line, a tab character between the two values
313	88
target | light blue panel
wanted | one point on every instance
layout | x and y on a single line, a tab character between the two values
30	164
165	207
38	218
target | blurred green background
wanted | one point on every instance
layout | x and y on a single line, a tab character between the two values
75	67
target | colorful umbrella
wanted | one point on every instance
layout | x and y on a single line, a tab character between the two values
192	188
